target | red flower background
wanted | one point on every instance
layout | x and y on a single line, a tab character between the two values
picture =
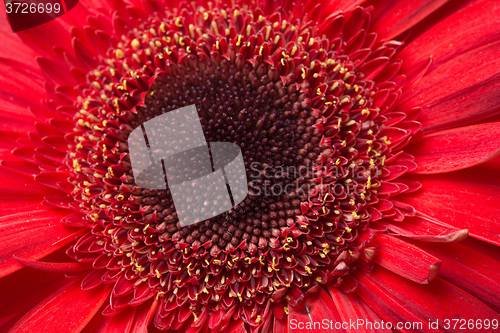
408	91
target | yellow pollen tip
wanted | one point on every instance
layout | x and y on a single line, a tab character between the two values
135	44
119	54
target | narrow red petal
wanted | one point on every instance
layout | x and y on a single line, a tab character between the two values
405	259
14	123
144	315
12	162
14	185
30	235
9	207
426	229
22	290
470	28
236	326
399	16
55	37
70	308
344	5
65	267
493	163
53	72
470	269
316	309
441	92
119	323
322	306
461	202
457	148
396	299
353	309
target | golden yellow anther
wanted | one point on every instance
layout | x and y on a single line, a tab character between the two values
119	54
135	44
268	32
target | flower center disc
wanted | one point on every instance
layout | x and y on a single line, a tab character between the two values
305	117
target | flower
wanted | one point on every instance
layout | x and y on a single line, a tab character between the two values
384	119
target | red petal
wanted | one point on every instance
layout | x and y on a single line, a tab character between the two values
15	123
417	71
70	308
18	185
54	72
493	163
30	235
405	259
119	323
23	290
344	5
457	148
9	207
15	53
462	203
426	230
317	308
55	37
352	308
396	299
470	269
399	16
144	315
373	67
237	326
458	92
66	267
322	306
51	179
466	30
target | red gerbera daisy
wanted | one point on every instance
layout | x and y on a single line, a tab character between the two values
379	118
